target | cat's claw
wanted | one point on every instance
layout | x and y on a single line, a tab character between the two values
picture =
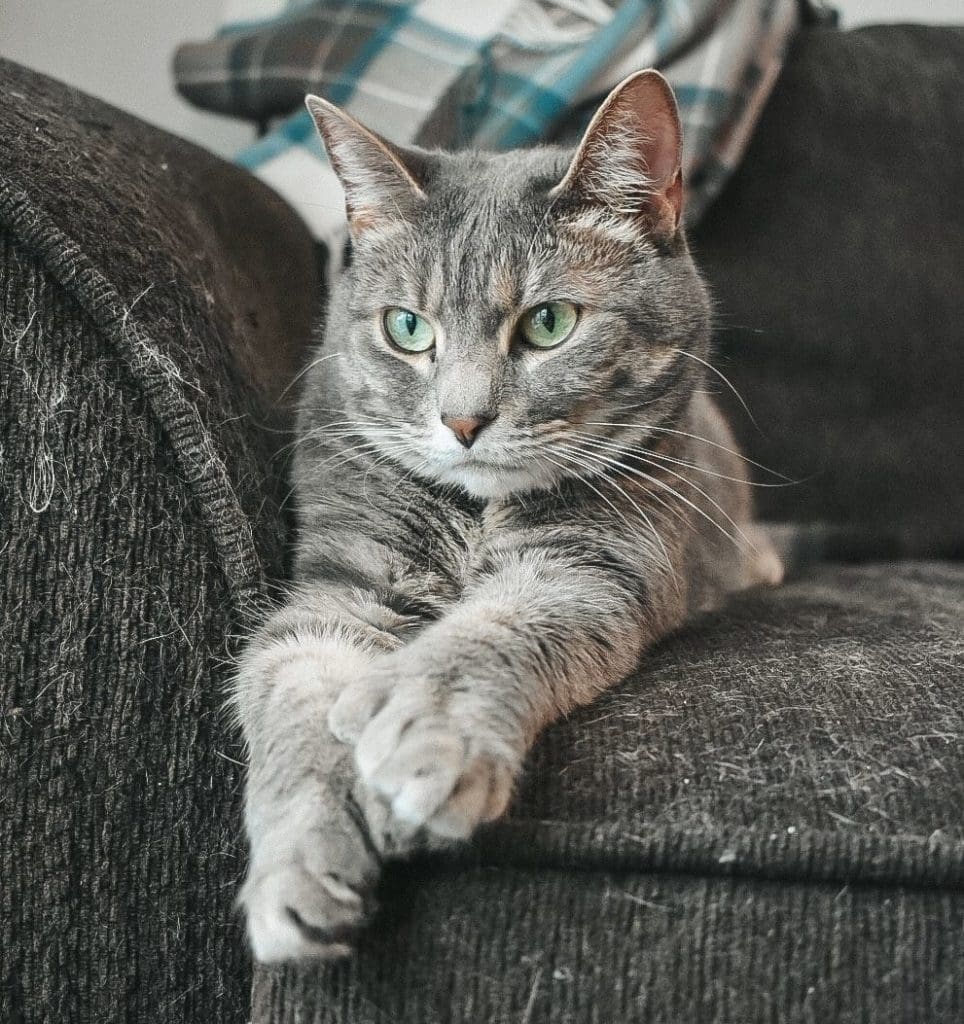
435	768
307	895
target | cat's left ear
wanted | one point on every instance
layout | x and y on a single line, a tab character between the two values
629	160
380	179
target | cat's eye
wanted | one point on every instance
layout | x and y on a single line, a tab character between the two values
408	330
549	323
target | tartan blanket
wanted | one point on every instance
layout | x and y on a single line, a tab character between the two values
486	74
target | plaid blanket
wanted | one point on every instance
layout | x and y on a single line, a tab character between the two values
488	74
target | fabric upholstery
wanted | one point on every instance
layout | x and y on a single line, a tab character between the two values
763	825
835	256
152	304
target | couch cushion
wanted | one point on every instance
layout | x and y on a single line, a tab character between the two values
810	731
765	823
835	254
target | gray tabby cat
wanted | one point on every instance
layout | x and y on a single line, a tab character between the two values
509	484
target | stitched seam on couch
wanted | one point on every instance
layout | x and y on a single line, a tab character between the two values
155	373
801	855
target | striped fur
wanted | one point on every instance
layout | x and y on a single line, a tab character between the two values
450	603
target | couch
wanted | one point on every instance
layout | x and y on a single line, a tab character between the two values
764	824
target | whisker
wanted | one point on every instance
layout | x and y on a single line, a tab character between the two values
633	406
583	454
630	451
381	457
723	378
694	437
307	369
408	474
699	490
642	514
582	478
587	480
339	430
675	493
349	454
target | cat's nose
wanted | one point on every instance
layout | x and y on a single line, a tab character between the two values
466	428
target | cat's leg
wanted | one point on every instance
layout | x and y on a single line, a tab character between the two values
454	712
312	864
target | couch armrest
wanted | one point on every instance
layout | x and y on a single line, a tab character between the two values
203	277
166	224
154	302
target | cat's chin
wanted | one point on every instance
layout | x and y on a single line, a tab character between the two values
490	480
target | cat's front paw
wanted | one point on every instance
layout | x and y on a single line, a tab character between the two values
308	891
439	764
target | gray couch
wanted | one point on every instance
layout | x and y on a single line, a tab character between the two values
764	824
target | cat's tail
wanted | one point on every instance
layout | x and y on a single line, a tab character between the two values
799	547
796	546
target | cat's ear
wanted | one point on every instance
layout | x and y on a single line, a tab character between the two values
379	178
629	160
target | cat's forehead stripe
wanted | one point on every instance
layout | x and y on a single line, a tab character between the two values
503	287
433	288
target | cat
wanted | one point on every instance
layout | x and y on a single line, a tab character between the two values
509	483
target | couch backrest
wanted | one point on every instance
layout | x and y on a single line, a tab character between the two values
836	256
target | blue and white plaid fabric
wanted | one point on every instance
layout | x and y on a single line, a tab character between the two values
487	74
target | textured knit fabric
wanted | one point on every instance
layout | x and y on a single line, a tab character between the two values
146	326
835	256
765	824
491	75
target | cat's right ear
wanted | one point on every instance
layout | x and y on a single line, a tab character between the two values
379	179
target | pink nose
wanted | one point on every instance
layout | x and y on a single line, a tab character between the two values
466	428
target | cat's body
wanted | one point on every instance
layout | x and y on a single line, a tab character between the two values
493	524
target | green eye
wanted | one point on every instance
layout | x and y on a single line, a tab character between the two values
549	323
408	330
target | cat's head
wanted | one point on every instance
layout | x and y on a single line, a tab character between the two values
497	305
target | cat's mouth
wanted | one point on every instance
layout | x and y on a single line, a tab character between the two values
494	464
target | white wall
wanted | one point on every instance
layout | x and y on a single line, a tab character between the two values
120	50
873	12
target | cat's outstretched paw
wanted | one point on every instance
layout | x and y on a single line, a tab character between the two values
308	893
357	704
437	765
